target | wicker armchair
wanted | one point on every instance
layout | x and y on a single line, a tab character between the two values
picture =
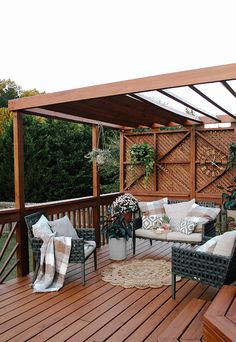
209	269
77	254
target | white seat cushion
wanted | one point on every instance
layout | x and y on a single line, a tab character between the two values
150	234
176	236
63	227
89	247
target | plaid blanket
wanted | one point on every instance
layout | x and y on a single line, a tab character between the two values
55	253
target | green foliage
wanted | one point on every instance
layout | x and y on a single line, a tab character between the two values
99	155
116	227
232	155
143	154
8	90
229	195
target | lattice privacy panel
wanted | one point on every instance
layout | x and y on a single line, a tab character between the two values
178	166
134	176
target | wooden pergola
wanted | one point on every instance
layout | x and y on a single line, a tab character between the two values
97	311
119	105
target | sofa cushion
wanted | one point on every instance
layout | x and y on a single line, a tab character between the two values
177	211
225	244
63	227
153	208
89	247
41	228
177	236
186	226
151	221
200	211
150	234
208	247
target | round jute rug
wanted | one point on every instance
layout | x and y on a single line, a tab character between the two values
139	273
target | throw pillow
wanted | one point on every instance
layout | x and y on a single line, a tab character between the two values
186	226
63	227
209	246
177	211
200	211
200	221
41	228
153	208
225	244
151	221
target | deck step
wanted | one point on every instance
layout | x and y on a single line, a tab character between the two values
179	326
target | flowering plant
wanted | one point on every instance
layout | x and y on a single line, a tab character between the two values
124	204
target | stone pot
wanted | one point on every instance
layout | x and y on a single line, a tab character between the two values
117	248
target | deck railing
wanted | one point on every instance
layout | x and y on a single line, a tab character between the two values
85	212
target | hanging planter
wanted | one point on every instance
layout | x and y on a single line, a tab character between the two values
143	154
100	155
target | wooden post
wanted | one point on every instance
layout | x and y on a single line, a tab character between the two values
96	187
21	231
193	162
122	157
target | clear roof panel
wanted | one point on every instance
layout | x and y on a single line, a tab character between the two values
218	93
196	100
232	84
165	100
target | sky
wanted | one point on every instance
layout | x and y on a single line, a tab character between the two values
54	45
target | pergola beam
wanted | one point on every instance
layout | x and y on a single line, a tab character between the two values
170	80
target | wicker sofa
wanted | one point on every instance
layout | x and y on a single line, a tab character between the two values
208	268
208	230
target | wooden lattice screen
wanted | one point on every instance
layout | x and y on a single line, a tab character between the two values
182	169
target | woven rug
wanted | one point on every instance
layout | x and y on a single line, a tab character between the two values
139	273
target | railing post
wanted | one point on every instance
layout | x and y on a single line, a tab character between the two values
96	187
21	231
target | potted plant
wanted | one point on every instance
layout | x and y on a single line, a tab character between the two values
229	192
229	199
118	228
143	154
101	156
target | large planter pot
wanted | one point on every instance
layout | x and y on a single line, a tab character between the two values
117	249
231	213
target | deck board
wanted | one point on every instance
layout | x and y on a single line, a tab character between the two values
98	311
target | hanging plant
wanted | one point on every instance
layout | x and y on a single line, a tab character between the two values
143	154
99	155
232	155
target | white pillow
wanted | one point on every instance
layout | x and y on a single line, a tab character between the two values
186	226
177	211
151	221
200	221
209	246
41	228
225	244
63	227
200	211
153	208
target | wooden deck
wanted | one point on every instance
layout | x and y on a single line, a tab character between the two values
99	311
